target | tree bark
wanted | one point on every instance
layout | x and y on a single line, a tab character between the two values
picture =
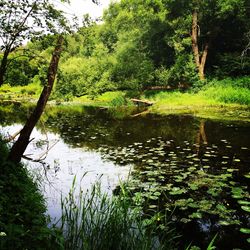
21	144
3	66
199	61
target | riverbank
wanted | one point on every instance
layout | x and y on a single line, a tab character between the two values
224	100
90	219
23	224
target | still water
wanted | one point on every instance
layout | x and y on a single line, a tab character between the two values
198	168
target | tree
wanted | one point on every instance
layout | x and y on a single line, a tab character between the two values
22	20
22	142
20	145
214	26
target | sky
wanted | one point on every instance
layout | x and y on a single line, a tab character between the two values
81	7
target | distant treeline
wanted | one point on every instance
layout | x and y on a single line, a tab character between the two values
142	44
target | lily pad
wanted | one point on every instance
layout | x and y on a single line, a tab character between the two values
185	220
246	208
247	175
245	230
196	215
241	202
224	223
177	190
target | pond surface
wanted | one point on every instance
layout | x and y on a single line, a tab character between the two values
198	168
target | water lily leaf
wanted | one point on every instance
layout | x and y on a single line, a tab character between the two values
245	230
244	148
237	160
193	205
152	206
241	202
195	215
221	208
229	222
157	193
205	205
177	190
185	220
237	196
214	191
152	197
191	168
247	175
232	170
237	192
224	223
246	208
206	166
193	186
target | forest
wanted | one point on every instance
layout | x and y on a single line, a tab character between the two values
143	45
151	100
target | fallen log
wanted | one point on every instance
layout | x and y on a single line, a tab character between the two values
144	102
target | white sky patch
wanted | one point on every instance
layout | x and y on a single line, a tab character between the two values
81	7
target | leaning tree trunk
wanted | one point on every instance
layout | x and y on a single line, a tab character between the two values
200	61
20	145
3	66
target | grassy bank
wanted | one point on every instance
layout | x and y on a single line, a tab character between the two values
224	99
23	223
90	220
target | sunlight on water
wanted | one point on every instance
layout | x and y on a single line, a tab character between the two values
56	172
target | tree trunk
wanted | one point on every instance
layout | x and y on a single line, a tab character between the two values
20	145
199	61
3	66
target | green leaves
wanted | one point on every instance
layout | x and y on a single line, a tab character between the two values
246	208
177	191
245	230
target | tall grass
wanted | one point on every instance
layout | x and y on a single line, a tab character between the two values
31	89
95	221
227	91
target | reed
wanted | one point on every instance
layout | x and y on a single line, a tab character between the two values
95	221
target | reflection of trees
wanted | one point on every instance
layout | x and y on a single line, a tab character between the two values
201	136
81	127
14	113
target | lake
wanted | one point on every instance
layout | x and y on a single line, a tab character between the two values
197	169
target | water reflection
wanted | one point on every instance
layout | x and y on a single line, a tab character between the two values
200	164
56	173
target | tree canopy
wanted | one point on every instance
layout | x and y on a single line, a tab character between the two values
23	20
142	44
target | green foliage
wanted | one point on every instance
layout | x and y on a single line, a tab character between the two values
183	71
93	220
141	44
16	92
231	64
21	20
229	91
79	76
22	221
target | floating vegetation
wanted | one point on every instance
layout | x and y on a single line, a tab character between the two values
245	230
205	182
198	181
